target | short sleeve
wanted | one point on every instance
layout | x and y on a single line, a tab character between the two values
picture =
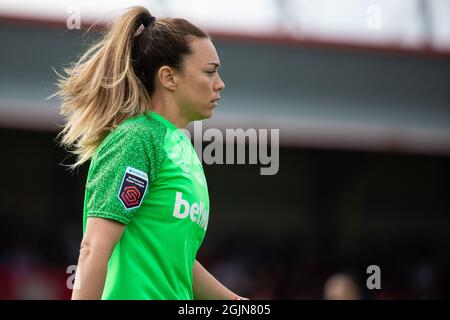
118	180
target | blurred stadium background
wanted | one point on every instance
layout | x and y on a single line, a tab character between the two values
360	91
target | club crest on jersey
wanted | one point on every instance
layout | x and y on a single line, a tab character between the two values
133	188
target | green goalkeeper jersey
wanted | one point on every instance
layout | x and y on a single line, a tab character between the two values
146	174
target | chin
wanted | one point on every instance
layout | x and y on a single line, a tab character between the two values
202	116
206	114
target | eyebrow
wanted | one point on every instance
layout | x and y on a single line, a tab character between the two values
215	64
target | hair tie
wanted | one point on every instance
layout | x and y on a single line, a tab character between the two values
147	20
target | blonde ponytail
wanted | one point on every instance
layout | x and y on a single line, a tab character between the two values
102	89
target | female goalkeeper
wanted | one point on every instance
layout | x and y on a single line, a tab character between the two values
146	206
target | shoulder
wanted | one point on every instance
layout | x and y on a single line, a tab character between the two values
138	130
143	127
136	140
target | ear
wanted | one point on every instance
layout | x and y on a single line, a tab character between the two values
167	77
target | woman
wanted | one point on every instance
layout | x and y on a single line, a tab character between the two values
146	205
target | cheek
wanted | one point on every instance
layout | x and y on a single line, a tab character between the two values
202	87
197	88
202	82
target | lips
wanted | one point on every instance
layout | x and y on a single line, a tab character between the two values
215	102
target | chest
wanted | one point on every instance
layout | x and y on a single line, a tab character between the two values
179	195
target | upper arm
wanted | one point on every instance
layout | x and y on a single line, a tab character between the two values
102	234
118	181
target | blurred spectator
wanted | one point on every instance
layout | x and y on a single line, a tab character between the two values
341	286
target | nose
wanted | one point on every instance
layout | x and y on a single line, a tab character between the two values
220	85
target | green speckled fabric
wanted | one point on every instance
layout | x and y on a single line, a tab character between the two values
156	253
138	143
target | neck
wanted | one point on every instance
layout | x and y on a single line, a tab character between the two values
168	108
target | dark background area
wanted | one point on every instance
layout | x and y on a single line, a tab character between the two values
269	237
